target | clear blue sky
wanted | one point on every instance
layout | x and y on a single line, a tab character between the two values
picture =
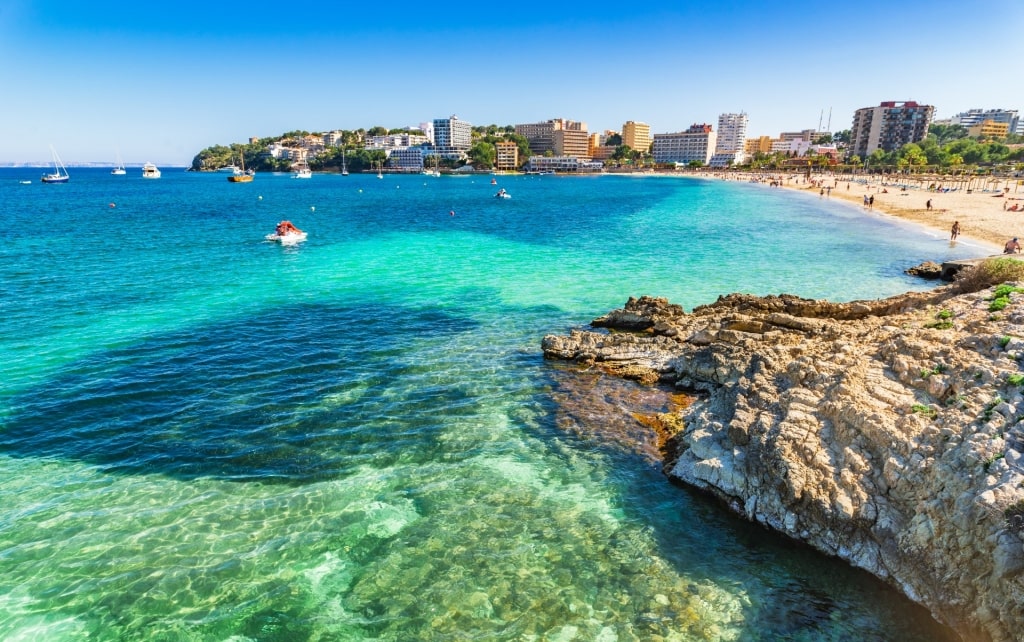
159	81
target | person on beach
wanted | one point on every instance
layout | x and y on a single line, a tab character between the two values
928	205
1012	246
955	232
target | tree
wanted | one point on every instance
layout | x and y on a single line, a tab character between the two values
843	136
377	131
622	152
947	133
482	155
614	140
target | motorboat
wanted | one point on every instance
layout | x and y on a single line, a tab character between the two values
149	170
229	169
289	238
59	174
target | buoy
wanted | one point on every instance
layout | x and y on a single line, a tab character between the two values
259	198
113	205
312	208
360	191
451	213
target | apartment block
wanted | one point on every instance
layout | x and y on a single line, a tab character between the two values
506	156
889	126
637	136
695	144
973	117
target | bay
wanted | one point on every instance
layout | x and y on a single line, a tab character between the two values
208	436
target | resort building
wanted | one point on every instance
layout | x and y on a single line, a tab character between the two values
452	137
889	126
637	136
759	145
695	144
406	158
732	134
554	164
506	155
333	139
392	141
973	117
558	136
989	129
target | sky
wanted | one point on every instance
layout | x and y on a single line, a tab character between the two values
160	81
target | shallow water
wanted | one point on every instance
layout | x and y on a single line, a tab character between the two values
208	436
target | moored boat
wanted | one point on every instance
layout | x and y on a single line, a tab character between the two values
149	170
59	173
240	175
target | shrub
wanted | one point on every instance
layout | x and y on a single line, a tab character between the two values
944	314
1015	379
1003	341
988	273
922	409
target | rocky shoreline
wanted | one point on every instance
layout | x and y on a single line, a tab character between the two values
882	432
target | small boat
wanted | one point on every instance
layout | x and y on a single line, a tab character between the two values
303	171
502	194
286	234
380	168
149	170
291	238
119	170
229	169
344	167
240	175
59	174
25	182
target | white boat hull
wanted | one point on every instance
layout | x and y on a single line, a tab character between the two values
287	239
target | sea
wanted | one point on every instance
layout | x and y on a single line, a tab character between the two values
206	435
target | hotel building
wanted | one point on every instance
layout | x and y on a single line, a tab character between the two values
989	129
695	144
452	137
637	136
732	134
889	126
558	136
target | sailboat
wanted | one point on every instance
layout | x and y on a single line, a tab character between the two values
119	170
344	168
303	171
241	176
59	175
380	169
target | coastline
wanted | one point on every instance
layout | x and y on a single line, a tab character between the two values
980	214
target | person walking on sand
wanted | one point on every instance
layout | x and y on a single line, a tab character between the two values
955	232
928	205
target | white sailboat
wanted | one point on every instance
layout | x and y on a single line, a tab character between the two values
344	168
380	169
59	174
119	170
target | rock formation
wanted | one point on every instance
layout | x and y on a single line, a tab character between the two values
882	432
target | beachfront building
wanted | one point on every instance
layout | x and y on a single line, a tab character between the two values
452	137
696	144
889	126
409	159
637	136
558	136
732	134
506	156
395	141
554	164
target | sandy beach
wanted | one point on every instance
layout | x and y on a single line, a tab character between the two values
981	213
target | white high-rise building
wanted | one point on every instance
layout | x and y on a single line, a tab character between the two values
732	135
452	137
696	144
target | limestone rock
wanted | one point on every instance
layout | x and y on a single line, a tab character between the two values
864	429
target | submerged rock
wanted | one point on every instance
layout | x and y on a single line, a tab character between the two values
883	432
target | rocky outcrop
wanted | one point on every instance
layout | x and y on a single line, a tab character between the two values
883	432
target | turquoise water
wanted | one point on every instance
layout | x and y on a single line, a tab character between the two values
207	436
